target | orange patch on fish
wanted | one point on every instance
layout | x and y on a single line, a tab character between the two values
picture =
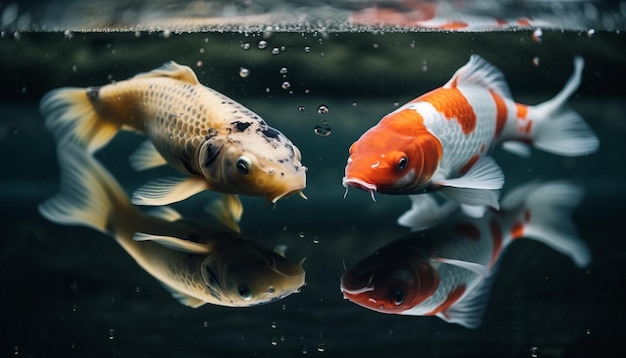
501	112
521	110
496	235
452	104
467	166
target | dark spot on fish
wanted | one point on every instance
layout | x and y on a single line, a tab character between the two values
212	152
270	132
193	237
93	93
241	126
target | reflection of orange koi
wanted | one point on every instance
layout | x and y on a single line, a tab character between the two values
442	139
422	14
447	271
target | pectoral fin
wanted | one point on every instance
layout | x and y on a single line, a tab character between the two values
484	174
167	191
184	298
479	269
146	157
227	210
173	243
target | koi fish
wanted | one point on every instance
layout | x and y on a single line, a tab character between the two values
197	262
438	15
219	143
447	271
441	140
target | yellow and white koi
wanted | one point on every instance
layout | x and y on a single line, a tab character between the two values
197	262
219	143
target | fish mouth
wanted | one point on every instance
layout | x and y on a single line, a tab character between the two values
348	292
286	194
359	184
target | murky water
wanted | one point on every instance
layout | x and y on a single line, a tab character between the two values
70	291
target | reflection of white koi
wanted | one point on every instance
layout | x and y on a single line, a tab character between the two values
197	262
447	271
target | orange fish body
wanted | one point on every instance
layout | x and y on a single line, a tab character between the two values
441	140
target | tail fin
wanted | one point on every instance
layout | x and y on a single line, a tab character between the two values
560	130
89	195
549	206
71	117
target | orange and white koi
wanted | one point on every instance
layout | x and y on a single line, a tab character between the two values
441	140
197	262
447	271
220	144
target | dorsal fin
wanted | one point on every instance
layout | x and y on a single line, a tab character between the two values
479	72
172	70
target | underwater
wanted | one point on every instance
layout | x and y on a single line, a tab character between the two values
100	259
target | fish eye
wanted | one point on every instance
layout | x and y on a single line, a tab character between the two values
402	163
244	292
398	296
243	165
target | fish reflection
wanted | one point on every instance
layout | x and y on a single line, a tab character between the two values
220	144
198	263
447	271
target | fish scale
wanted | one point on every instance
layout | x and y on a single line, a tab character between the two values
195	129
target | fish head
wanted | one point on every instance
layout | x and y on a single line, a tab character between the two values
257	167
389	284
248	274
396	156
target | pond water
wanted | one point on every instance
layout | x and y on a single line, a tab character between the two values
73	292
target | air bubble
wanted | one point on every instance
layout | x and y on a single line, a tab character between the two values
199	64
167	33
307	49
111	334
273	325
275	51
591	32
262	44
321	347
534	352
68	34
301	234
322	130
274	341
537	35
244	72
283	71
286	85
322	109
424	66
536	61
354	104
245	45
301	108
